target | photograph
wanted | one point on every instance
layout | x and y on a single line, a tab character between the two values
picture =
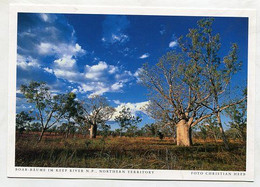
131	93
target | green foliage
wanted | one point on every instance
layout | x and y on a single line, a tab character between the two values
105	129
151	129
127	121
48	106
237	115
36	127
22	121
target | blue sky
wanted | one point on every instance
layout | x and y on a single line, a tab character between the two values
102	54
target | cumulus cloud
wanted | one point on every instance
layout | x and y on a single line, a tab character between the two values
102	77
173	44
100	71
49	70
61	49
49	35
57	51
117	86
134	107
71	76
27	63
146	55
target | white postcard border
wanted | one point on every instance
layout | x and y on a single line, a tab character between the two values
47	172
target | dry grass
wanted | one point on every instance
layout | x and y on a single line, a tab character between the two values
125	153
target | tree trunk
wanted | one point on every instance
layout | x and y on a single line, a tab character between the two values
222	131
93	131
183	133
190	135
41	135
67	132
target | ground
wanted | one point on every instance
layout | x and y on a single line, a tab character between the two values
128	153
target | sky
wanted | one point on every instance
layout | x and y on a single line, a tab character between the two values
102	54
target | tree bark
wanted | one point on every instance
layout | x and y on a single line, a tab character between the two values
222	131
190	135
183	133
41	135
93	131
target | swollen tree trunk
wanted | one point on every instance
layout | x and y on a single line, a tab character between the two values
183	133
93	131
222	131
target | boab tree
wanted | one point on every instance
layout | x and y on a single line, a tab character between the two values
96	111
202	47
177	91
48	107
186	87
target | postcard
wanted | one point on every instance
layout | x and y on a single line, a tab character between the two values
131	93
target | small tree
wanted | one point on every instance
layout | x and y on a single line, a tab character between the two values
127	121
105	129
212	128
22	121
49	107
36	126
237	114
151	129
70	111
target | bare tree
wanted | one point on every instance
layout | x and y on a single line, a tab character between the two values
96	111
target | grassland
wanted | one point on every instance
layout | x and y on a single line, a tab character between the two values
128	153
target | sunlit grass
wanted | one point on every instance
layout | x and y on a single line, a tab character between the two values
126	152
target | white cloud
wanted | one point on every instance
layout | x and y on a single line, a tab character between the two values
45	48
117	86
114	28
62	49
146	55
113	69
65	62
102	77
173	44
71	76
134	107
27	63
49	70
117	102
45	17
119	38
100	71
74	90
137	73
